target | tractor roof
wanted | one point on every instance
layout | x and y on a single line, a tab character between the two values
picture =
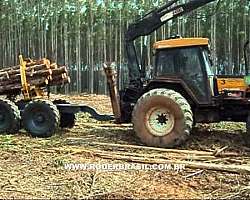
181	42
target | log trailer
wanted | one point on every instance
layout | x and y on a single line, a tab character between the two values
35	112
163	109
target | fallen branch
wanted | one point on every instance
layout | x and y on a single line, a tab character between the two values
204	153
194	174
240	169
154	156
146	156
93	183
217	152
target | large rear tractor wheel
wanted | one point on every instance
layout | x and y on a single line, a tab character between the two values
162	118
9	117
41	118
67	120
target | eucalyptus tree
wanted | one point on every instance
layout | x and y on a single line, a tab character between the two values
83	34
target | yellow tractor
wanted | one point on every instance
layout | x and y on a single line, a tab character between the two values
183	89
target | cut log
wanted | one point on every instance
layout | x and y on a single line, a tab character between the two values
5	69
60	82
58	77
60	70
32	82
17	79
39	73
53	66
37	67
17	76
30	65
9	72
43	73
4	74
43	61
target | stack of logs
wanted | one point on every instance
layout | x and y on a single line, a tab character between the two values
39	73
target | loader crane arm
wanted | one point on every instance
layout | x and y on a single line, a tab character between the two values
148	24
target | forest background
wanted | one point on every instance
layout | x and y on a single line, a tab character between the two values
83	34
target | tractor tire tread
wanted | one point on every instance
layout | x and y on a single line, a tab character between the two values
55	112
178	99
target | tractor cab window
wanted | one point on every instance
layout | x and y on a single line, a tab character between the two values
165	63
187	64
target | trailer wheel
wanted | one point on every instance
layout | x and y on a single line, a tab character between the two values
162	118
9	117
67	120
41	118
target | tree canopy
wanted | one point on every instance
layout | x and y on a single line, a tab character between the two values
85	33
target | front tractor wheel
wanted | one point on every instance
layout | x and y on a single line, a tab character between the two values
41	118
162	118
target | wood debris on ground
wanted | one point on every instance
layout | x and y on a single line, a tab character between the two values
34	168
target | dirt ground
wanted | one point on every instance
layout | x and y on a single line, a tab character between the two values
34	168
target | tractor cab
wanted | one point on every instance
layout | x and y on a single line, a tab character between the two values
186	61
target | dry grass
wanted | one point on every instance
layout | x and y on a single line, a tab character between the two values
34	168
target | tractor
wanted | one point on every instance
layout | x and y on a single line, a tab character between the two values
183	90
